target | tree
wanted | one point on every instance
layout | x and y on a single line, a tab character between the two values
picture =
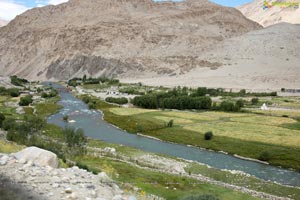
84	78
208	135
2	118
8	124
254	101
14	92
170	123
227	106
76	141
25	101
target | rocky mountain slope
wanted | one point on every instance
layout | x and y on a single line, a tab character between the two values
276	14
261	60
116	37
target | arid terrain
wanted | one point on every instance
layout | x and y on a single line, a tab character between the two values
276	14
188	43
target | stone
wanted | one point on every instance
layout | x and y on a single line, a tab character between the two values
68	190
103	177
4	159
117	197
37	156
132	197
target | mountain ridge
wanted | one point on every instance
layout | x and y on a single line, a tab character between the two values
141	37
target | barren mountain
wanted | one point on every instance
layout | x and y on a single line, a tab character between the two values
2	22
261	60
273	15
124	38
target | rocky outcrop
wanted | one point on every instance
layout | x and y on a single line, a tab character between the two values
38	178
125	38
37	156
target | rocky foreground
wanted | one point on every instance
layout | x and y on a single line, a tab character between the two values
33	173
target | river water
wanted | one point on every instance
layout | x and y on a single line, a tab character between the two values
95	127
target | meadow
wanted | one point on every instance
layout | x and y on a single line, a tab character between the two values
258	133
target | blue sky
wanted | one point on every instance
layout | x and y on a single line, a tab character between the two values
10	8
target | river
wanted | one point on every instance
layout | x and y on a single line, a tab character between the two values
95	127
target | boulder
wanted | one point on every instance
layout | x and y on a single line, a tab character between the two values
37	156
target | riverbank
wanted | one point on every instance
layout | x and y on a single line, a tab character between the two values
153	124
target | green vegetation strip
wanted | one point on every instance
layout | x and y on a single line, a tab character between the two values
168	186
149	123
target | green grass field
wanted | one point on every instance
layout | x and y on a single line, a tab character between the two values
256	133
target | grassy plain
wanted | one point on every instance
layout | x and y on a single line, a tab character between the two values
245	134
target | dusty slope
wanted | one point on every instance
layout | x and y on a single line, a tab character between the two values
260	60
124	37
273	15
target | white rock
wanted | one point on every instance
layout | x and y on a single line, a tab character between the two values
4	159
132	198
117	197
39	157
103	177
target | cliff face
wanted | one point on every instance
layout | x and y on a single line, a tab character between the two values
122	38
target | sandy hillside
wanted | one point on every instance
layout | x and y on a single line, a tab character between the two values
276	14
116	38
262	60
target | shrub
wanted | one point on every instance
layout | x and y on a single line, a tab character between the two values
18	81
201	197
8	124
254	101
44	95
227	106
66	118
13	92
92	105
208	135
86	99
265	156
2	118
75	140
25	101
119	101
170	123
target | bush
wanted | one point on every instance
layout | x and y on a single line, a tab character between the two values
44	95
201	197
8	124
208	135
265	156
2	118
66	118
227	106
92	105
254	101
170	123
25	101
86	99
13	92
75	140
119	101
18	81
